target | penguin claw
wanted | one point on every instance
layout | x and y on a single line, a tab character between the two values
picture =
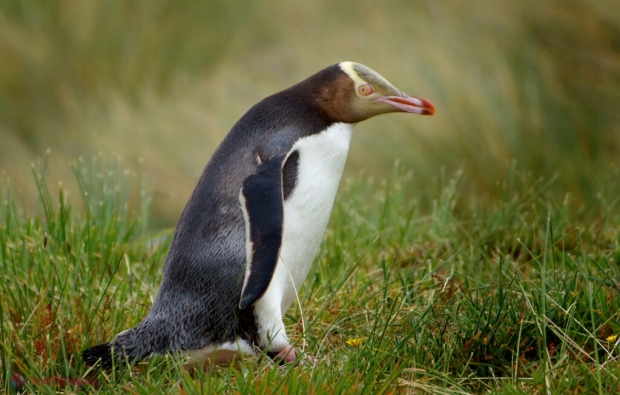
310	359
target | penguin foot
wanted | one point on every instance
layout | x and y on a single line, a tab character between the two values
287	355
217	358
215	354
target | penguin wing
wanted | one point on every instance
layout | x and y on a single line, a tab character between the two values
262	203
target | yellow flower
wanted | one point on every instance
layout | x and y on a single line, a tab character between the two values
612	338
355	342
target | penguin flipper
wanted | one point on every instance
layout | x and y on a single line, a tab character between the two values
262	203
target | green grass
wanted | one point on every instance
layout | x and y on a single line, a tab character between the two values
518	295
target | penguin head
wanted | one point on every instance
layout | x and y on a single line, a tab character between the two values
351	92
369	95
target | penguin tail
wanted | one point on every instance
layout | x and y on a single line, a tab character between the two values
101	353
107	355
124	349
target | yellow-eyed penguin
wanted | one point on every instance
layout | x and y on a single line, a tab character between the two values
250	231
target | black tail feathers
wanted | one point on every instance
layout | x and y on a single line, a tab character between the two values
105	355
101	353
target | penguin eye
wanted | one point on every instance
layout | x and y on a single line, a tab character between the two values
365	90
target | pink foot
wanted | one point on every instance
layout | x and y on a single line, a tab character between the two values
288	355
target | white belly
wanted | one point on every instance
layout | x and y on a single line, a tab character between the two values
306	211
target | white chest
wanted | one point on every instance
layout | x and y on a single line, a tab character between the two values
307	209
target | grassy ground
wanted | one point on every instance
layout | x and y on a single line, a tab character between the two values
411	293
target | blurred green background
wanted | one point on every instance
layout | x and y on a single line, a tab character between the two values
521	83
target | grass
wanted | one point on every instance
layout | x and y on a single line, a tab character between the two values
410	293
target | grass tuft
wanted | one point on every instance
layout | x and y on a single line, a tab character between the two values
409	294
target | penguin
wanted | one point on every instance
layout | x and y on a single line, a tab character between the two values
252	227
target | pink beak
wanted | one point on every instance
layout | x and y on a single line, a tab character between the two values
416	105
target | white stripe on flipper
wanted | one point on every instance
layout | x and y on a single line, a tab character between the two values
248	241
